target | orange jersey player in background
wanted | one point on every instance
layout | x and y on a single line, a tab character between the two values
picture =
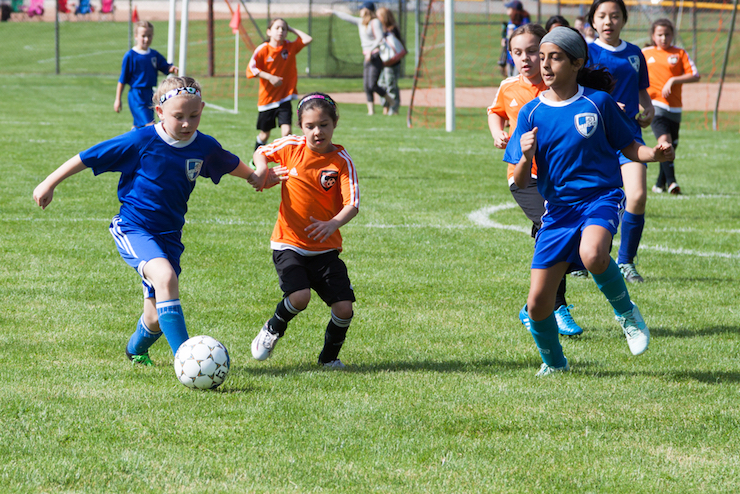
669	68
320	195
274	63
512	95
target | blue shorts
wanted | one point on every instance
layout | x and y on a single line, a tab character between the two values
140	103
623	159
137	247
560	236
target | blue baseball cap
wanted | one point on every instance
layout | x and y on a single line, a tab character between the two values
368	5
514	4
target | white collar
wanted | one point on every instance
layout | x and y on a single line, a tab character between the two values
622	45
570	100
172	141
142	52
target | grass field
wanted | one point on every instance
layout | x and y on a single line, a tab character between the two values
439	394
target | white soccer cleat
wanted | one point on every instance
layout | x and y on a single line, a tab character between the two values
334	364
546	370
635	330
264	343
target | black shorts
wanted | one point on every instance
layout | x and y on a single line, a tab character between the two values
531	202
325	273
664	124
283	113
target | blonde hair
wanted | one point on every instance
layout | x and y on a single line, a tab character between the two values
174	83
367	16
144	24
386	18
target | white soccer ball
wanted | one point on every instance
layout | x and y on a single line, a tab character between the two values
202	362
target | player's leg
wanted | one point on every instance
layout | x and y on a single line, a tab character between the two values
140	104
285	118
163	276
634	176
376	68
543	326
330	279
265	124
147	332
674	125
367	85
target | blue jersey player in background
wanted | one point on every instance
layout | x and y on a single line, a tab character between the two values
626	63
139	70
573	131
159	166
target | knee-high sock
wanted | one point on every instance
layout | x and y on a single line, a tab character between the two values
336	331
284	312
545	334
632	225
612	285
142	339
172	323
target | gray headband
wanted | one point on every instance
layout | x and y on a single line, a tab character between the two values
568	40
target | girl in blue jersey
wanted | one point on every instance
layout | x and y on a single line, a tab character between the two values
139	70
573	130
626	63
159	166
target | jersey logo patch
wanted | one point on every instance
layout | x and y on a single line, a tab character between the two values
513	102
193	168
635	62
673	59
328	179
154	62
586	124
284	54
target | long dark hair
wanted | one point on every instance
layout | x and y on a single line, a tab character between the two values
597	3
592	77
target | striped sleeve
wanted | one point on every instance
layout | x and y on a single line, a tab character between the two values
350	188
252	68
274	150
688	65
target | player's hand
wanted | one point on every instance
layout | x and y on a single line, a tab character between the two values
621	106
43	195
117	106
667	88
645	117
501	139
321	230
664	152
528	143
276	80
275	175
174	70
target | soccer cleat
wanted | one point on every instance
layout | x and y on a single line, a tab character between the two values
630	273
524	318
566	325
546	370
334	364
264	343
674	189
635	330
142	359
580	273
658	190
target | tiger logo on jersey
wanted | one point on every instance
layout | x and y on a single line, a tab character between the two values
192	167
586	124
328	179
635	62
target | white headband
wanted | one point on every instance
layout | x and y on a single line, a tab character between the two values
177	91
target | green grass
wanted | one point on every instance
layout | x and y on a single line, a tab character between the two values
439	394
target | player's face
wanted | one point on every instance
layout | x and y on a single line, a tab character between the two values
181	116
144	37
608	22
278	31
663	37
556	69
525	50
318	127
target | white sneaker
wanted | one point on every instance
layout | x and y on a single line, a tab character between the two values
635	330
334	364
263	344
546	370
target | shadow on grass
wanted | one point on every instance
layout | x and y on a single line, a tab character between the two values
663	332
593	369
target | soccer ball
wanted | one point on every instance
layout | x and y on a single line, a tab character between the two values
202	363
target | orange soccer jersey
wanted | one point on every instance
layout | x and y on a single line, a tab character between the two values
512	95
279	61
319	186
662	65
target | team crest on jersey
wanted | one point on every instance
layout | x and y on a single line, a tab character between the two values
154	62
193	167
586	124
284	54
328	179
635	62
673	59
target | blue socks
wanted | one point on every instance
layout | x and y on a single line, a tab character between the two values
172	323
545	334
142	339
612	285
632	226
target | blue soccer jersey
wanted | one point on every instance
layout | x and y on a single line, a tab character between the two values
139	69
158	173
627	65
576	144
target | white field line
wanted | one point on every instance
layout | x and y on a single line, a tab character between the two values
220	108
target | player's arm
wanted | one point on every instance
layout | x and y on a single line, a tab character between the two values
496	124
304	36
44	192
273	176
648	111
640	153
117	102
523	169
321	230
679	79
